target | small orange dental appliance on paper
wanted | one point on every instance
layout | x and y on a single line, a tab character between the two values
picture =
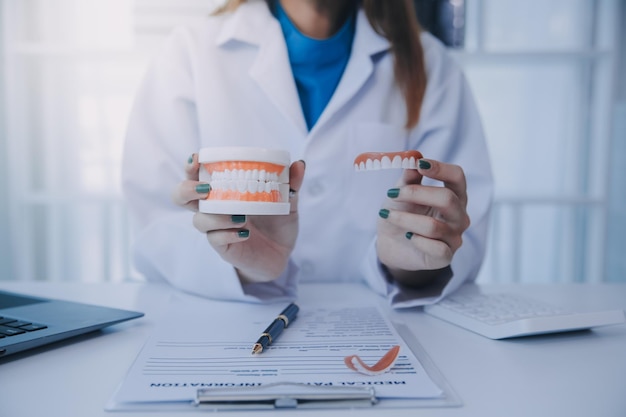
372	161
385	363
244	180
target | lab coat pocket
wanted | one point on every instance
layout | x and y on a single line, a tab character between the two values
367	190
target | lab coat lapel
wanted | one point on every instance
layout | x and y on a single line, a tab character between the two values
254	24
367	43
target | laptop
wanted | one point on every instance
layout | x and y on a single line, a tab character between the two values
27	322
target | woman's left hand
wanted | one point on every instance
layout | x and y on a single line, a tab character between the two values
420	227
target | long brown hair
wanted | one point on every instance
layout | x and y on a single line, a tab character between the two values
396	21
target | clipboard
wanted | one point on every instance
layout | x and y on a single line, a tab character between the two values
290	395
276	394
285	395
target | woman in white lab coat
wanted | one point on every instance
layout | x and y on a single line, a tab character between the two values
234	80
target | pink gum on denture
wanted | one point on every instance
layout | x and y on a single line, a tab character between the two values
385	364
371	161
253	181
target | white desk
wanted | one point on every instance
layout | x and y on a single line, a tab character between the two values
575	374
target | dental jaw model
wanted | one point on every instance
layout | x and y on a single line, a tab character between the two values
251	181
372	161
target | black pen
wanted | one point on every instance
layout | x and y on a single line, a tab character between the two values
275	329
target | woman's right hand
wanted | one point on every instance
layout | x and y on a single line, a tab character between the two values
257	246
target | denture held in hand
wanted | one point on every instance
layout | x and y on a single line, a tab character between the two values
355	363
371	161
245	180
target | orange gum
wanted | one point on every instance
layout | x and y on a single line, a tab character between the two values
381	366
271	197
379	156
221	166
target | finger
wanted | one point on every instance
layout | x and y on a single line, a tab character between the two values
192	168
221	238
427	227
438	251
218	222
452	176
410	176
448	203
296	177
188	192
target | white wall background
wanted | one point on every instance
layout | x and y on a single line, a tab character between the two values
544	73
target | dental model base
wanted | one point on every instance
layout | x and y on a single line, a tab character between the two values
372	161
252	181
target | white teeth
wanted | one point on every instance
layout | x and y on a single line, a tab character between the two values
244	175
386	163
241	180
243	186
253	186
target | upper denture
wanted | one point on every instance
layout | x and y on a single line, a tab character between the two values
387	160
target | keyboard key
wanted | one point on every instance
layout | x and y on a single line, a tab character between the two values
18	323
12	327
33	327
9	331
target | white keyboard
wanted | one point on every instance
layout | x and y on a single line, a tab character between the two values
504	315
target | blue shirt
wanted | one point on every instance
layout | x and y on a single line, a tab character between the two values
317	65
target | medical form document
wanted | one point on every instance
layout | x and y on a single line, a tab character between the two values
208	344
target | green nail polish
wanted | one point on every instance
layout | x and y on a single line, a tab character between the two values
203	188
238	218
190	160
393	192
424	164
384	213
409	235
243	233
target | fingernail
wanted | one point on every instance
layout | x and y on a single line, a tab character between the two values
190	160
203	188
384	213
243	233
409	235
423	164
238	218
393	192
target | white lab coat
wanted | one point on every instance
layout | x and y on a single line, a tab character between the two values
228	82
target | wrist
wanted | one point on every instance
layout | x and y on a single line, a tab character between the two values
256	276
418	279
